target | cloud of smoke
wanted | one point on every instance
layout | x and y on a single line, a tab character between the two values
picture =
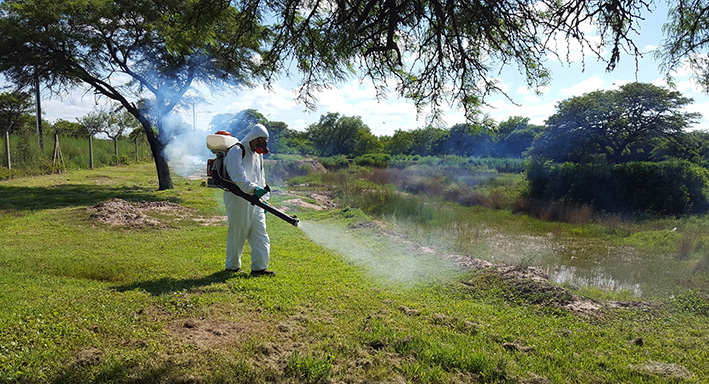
186	148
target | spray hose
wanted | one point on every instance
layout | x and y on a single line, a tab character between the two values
253	199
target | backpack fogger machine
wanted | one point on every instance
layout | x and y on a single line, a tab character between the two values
220	143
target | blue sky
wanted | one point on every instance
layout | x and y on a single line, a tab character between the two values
357	98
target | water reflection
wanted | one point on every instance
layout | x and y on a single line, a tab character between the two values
582	262
570	275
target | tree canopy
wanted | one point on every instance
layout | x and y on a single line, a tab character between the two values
687	39
616	126
439	50
14	107
145	55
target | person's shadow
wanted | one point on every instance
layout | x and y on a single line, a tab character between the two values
168	284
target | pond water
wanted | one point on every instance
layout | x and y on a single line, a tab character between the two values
583	262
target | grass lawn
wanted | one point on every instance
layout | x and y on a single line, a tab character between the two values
87	302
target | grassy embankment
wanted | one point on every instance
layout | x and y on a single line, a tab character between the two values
83	301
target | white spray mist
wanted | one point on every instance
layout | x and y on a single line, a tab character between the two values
384	258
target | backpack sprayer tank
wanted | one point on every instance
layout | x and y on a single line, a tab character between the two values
219	143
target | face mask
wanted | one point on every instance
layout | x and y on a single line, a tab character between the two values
262	150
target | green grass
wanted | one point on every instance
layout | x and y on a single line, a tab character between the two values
84	302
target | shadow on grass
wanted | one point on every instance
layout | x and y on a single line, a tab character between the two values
68	195
167	285
94	366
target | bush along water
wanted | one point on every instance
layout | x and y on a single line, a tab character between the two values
668	188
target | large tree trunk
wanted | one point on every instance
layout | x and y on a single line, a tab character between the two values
7	149
156	147
164	178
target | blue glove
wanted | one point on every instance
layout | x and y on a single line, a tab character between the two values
260	192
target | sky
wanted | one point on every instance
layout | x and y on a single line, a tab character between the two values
384	117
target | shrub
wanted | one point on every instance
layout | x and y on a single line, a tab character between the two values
671	187
7	173
376	160
334	163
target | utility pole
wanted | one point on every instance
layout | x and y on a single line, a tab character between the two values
38	108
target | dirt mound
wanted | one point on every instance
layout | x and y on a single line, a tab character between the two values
321	200
120	212
159	206
315	166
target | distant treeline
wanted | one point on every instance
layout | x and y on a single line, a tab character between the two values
336	135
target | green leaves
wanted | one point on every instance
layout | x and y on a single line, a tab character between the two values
617	125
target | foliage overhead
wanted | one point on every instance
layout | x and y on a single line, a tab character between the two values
687	40
440	50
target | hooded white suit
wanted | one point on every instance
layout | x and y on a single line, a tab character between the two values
246	221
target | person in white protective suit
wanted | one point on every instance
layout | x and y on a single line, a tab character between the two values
247	222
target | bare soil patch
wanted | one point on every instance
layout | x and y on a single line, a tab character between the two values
315	165
208	333
666	370
88	357
118	212
322	201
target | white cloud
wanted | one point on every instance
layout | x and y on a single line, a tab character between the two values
589	85
537	112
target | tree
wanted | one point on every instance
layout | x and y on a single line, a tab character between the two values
277	132
615	126
366	142
400	143
428	141
242	122
93	123
461	140
62	127
334	135
515	136
435	50
687	40
692	146
137	134
163	47
116	125
14	107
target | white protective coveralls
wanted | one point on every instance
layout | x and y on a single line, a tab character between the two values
246	221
